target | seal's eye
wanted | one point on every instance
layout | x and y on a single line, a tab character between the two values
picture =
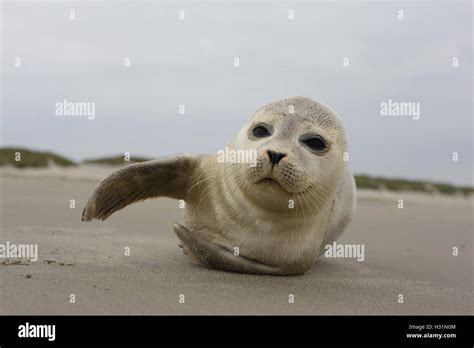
261	131
315	143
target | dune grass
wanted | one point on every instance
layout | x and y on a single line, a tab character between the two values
25	158
392	184
116	160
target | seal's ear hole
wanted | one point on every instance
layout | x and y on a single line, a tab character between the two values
314	142
261	130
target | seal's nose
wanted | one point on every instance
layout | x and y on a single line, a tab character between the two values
275	157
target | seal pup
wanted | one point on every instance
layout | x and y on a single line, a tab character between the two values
272	216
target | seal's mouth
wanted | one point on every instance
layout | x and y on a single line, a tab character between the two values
269	181
272	183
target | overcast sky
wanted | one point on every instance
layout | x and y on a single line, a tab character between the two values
190	62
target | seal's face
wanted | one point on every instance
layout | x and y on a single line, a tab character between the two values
299	146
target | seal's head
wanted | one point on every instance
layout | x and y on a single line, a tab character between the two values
299	145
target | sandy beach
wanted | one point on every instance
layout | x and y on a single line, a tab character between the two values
407	251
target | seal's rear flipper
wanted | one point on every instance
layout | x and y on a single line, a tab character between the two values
216	256
168	177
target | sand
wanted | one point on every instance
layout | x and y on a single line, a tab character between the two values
407	251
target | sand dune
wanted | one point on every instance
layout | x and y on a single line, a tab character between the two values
407	251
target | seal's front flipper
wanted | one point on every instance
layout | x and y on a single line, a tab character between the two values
168	177
201	248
